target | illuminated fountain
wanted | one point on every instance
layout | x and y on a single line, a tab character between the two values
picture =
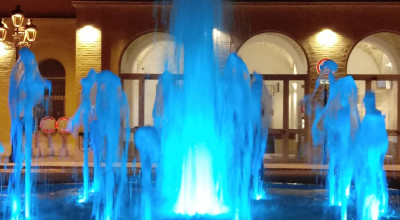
207	142
206	129
104	112
356	150
203	138
27	89
370	178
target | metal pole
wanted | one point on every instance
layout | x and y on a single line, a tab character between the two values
324	152
16	53
11	158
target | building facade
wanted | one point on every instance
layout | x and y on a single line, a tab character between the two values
283	41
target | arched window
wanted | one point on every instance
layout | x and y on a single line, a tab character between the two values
54	71
273	53
141	64
147	54
377	54
374	64
284	67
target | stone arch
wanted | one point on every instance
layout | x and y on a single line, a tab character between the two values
377	53
147	54
273	53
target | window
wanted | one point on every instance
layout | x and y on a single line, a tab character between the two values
54	71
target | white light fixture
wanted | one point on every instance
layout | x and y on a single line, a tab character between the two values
30	31
88	34
3	30
17	17
327	37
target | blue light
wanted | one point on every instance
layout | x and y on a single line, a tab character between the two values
356	149
208	127
82	199
14	206
348	191
26	92
104	112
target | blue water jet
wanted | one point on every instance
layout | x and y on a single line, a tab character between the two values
370	178
148	143
27	88
336	126
81	117
259	92
356	150
104	112
205	121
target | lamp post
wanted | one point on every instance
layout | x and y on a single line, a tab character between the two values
23	36
326	68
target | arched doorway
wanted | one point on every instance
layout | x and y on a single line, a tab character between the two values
283	64
374	64
141	64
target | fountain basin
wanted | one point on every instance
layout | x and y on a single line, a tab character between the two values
285	201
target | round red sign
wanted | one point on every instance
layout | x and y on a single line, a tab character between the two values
62	125
48	124
320	64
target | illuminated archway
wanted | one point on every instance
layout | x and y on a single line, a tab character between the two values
284	67
377	55
273	53
146	54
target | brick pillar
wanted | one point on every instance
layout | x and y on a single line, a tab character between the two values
88	54
339	52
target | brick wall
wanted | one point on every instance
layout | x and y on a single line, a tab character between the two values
339	52
56	40
88	56
7	59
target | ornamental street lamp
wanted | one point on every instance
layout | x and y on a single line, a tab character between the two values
22	36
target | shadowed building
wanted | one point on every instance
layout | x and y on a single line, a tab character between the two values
283	41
